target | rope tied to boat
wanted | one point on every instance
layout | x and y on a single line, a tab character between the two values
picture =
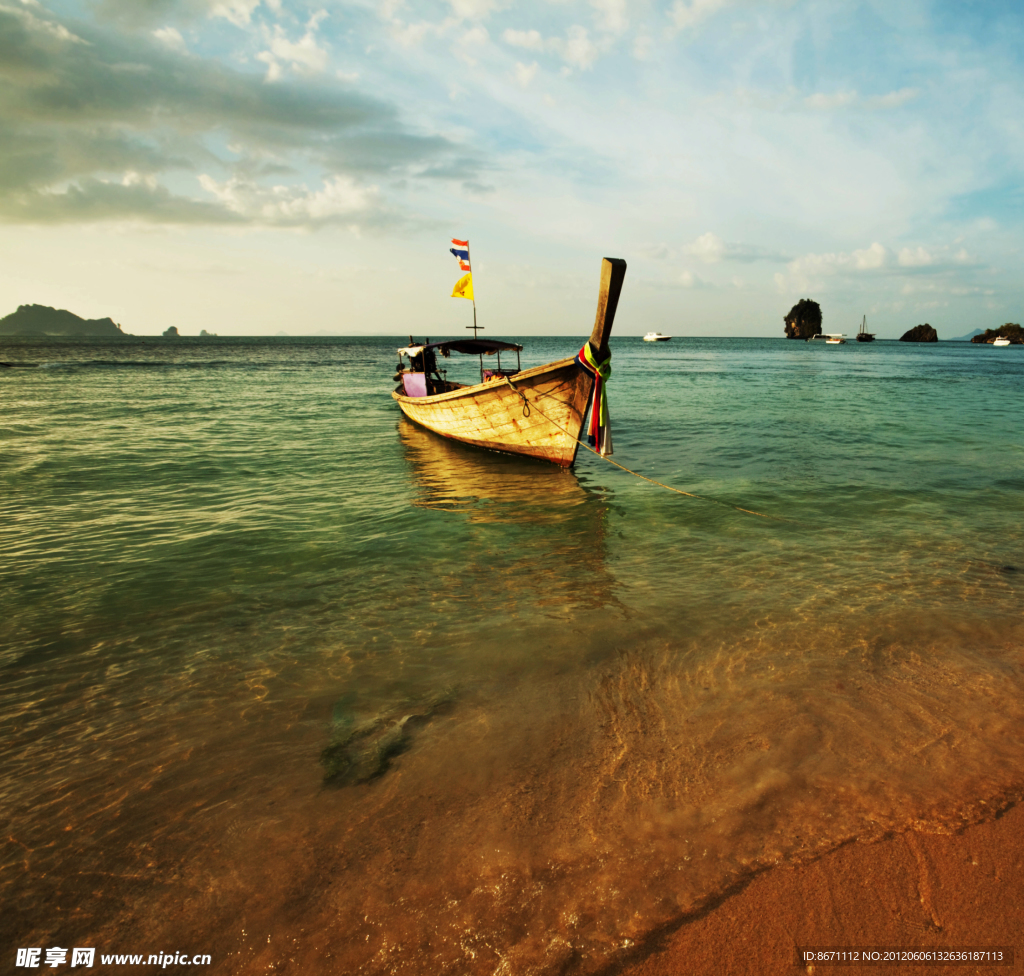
600	433
522	396
636	474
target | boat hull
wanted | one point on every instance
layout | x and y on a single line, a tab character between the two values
493	415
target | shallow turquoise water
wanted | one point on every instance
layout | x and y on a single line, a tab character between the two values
218	557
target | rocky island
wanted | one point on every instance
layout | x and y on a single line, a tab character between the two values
41	320
1011	331
804	320
920	333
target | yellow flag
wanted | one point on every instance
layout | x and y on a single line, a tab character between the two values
464	287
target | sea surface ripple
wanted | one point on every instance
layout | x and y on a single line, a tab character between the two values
289	680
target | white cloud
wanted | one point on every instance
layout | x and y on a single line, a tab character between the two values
708	247
844	99
689	13
894	99
40	26
530	39
131	178
641	49
826	102
411	35
914	258
870	258
811	267
578	50
340	199
239	12
524	74
657	252
406	35
711	249
388	9
474	9
475	36
171	37
304	56
611	15
273	68
468	44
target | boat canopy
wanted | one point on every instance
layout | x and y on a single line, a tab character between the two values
472	347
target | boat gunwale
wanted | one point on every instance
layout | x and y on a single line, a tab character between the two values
494	383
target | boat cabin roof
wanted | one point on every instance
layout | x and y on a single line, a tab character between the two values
473	347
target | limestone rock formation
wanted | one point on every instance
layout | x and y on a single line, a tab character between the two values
1011	331
920	333
42	320
804	320
171	333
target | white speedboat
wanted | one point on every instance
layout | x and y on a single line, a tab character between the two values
1001	341
832	338
656	337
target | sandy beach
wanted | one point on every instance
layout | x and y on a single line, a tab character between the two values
911	890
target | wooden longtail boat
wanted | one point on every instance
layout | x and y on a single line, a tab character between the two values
537	412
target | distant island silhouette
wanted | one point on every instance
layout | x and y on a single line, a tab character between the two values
43	320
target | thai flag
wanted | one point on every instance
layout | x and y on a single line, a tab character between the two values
461	251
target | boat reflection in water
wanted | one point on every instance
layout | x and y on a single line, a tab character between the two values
487	486
553	543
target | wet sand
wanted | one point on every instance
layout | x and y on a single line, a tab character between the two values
911	890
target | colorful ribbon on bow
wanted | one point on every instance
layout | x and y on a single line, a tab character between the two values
599	434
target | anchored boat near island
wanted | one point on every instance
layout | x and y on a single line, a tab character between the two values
536	412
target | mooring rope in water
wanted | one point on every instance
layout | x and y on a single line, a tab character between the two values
636	474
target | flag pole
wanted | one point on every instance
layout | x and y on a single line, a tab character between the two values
469	261
474	327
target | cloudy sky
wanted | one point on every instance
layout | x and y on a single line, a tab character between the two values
256	166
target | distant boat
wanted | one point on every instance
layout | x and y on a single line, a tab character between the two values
864	336
1001	341
831	338
656	337
496	412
